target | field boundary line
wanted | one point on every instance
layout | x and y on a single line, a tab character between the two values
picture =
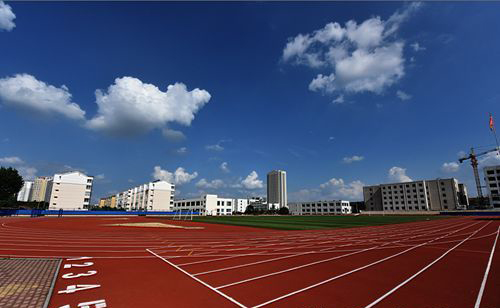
198	280
486	272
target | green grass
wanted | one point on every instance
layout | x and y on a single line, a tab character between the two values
310	222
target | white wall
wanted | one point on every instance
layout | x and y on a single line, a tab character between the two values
70	191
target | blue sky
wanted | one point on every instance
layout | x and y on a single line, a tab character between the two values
212	96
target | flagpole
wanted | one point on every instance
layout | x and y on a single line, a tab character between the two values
495	134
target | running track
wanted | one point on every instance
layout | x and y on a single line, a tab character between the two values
439	263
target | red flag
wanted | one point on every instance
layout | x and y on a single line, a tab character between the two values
491	122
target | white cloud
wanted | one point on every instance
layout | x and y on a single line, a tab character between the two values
6	17
214	147
173	135
181	151
352	159
416	47
398	174
25	91
131	107
130	181
365	57
99	177
490	159
403	96
225	167
339	100
178	177
331	138
214	184
450	167
28	173
11	160
332	189
252	181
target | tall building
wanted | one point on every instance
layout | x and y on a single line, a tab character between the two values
70	191
24	193
427	195
39	190
109	201
276	189
152	196
492	178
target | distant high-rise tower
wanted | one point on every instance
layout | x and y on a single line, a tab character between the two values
276	189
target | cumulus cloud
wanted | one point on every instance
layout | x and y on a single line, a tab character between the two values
173	135
450	167
225	167
339	100
352	159
252	181
332	189
403	96
6	17
398	174
178	177
214	184
28	173
490	159
131	107
11	160
364	57
26	92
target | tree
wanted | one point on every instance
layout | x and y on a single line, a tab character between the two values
250	209
284	211
10	183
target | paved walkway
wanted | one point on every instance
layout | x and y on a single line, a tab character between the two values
26	282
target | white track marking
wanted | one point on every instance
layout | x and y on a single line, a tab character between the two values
198	280
333	258
423	269
352	271
486	272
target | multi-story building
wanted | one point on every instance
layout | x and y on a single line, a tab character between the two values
276	189
24	193
152	196
70	191
492	178
108	201
329	207
427	195
207	205
39	190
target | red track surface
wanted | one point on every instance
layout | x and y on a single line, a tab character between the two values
439	263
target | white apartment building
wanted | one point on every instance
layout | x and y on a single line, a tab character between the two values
276	189
207	205
329	207
39	190
426	195
152	196
24	193
492	178
70	191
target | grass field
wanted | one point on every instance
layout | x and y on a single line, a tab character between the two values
310	222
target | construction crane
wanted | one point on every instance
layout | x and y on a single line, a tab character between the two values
473	161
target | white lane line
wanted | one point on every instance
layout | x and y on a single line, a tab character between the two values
198	280
338	257
354	270
423	269
486	272
252	263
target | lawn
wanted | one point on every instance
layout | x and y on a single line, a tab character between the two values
310	222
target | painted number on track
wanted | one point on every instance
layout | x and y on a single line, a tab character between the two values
78	287
85	264
94	304
71	275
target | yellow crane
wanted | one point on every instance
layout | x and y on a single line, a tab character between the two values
474	163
